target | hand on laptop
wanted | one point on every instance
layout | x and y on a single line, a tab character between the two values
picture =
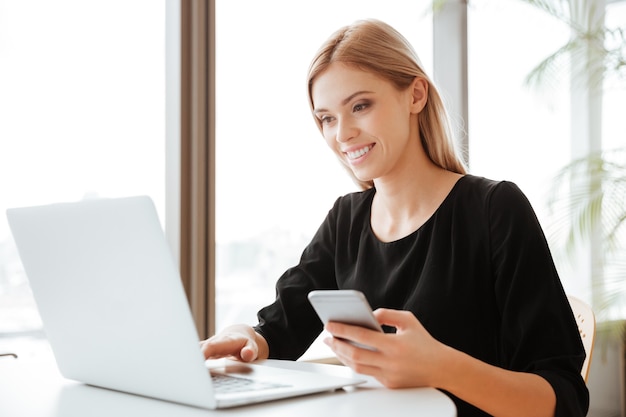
239	341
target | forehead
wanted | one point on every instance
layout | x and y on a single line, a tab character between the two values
339	81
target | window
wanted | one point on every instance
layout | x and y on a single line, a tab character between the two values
275	177
82	106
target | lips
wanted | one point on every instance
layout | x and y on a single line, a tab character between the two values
357	153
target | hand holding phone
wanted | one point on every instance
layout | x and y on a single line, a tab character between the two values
344	306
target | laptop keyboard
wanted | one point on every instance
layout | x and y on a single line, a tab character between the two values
228	383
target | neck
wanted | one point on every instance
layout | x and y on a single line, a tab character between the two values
414	193
408	197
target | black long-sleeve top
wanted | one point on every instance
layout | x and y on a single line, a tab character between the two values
478	275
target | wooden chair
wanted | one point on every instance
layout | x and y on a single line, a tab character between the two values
586	320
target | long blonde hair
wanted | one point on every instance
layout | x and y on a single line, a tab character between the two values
376	47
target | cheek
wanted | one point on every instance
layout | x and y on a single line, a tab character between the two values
380	122
400	125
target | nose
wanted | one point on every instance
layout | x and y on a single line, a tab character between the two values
346	131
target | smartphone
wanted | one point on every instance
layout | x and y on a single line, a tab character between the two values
344	306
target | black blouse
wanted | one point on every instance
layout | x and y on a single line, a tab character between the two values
478	275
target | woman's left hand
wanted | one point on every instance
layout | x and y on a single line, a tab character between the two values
408	358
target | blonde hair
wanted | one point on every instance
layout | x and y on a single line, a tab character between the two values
376	47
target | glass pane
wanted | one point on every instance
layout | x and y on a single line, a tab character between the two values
82	99
613	133
276	179
614	137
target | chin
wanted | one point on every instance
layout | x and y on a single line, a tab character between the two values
361	176
358	175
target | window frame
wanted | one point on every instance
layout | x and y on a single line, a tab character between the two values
190	187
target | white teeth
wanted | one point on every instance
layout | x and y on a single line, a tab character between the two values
359	153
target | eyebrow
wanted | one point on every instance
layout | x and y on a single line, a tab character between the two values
346	100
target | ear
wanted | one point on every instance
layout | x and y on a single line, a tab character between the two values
419	94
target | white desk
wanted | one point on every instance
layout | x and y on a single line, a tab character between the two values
32	386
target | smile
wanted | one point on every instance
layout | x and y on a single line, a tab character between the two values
358	153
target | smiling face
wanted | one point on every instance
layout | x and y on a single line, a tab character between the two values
366	120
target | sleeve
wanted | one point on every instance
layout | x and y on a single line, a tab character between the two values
289	324
538	331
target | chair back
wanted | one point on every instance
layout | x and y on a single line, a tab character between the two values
586	321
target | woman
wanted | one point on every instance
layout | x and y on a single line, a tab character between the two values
456	265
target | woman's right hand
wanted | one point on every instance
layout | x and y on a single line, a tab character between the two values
239	341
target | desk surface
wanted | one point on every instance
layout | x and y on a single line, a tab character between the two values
32	386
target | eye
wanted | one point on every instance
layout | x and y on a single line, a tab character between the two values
325	119
360	106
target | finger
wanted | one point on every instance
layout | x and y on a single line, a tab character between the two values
360	360
358	351
249	352
357	334
222	347
395	318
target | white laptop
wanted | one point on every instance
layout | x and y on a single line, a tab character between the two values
115	312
